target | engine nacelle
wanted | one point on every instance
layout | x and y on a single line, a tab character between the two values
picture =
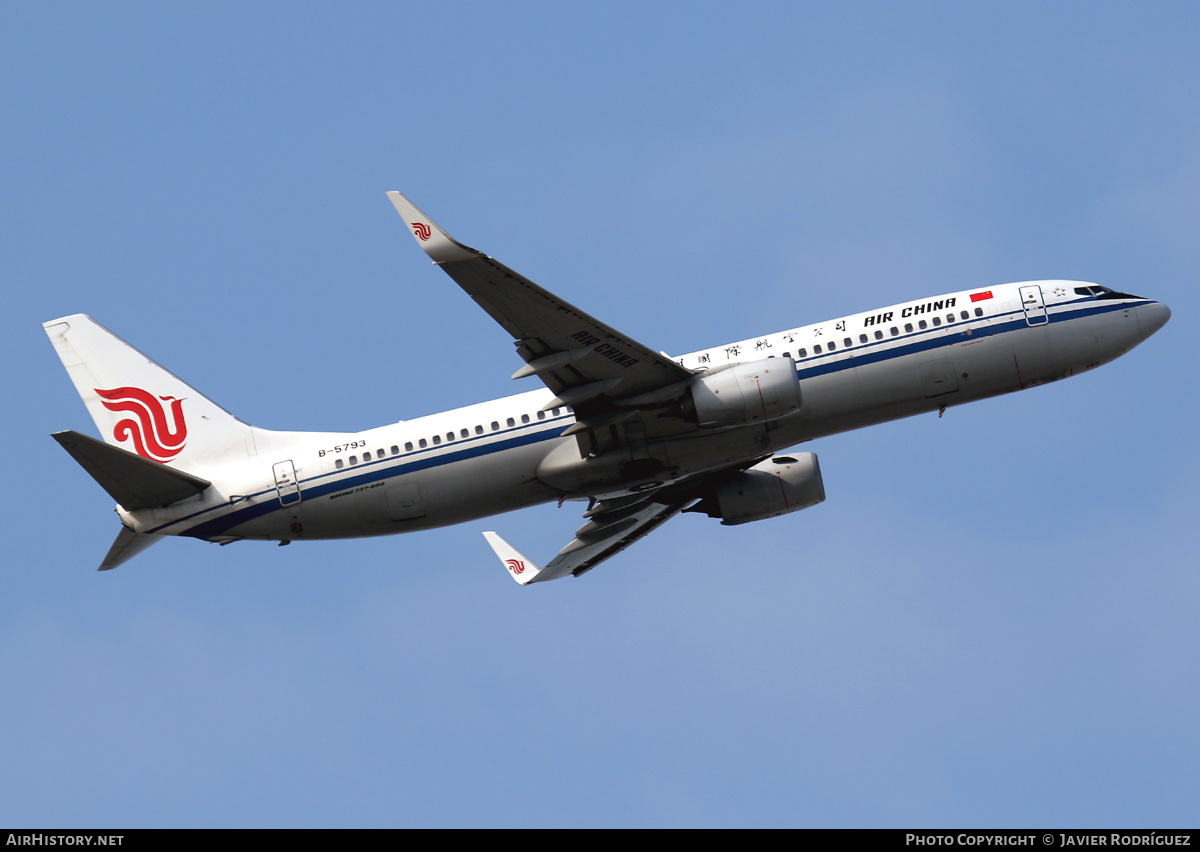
771	488
744	394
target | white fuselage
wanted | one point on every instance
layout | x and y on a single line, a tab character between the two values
506	454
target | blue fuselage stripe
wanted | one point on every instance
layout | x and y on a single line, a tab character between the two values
315	488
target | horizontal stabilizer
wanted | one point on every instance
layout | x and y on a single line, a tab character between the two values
128	545
134	482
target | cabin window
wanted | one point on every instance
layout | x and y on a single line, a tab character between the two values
495	426
554	411
408	446
541	415
979	312
464	433
353	459
949	319
424	443
511	422
478	430
922	325
339	464
366	457
878	334
449	436
832	346
964	315
395	450
524	418
895	331
817	349
937	321
801	352
437	439
862	338
847	342
908	327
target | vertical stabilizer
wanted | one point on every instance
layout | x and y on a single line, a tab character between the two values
141	407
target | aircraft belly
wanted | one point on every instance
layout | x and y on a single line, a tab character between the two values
652	463
869	393
1072	345
437	496
497	483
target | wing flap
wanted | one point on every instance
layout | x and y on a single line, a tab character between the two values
593	546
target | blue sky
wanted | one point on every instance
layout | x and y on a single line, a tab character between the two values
990	622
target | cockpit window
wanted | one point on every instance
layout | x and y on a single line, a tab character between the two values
1099	292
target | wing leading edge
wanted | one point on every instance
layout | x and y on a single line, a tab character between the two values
586	363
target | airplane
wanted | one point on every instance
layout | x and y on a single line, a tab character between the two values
638	434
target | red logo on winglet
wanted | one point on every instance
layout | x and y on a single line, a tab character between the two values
515	565
152	437
422	231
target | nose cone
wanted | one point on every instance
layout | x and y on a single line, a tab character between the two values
1152	317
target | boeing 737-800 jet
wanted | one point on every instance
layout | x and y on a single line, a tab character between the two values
639	434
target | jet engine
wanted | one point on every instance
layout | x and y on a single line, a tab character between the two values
771	488
743	394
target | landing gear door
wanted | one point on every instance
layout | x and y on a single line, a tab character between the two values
285	483
1032	304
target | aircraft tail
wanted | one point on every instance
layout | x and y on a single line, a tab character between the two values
141	407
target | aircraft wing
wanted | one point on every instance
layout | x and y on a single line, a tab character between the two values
586	363
612	527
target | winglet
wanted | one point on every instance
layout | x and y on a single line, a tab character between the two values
518	565
436	243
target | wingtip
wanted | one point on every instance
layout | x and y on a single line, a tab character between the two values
522	569
435	242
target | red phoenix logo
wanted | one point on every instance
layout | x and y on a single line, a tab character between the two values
422	231
515	565
152	437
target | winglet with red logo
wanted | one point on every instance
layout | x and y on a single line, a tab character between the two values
519	567
433	240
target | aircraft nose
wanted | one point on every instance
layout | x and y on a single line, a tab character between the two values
1152	317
